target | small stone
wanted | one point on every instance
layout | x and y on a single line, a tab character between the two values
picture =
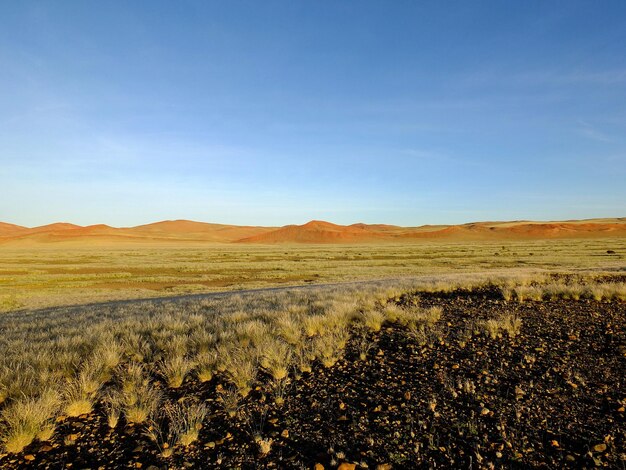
599	447
346	466
484	411
499	455
570	458
29	457
554	443
318	466
407	395
210	445
383	466
138	465
285	433
342	406
45	448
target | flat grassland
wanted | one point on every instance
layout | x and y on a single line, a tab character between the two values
44	276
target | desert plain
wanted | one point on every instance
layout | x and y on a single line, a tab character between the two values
183	344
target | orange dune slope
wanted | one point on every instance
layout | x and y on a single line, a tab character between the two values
10	229
317	232
314	232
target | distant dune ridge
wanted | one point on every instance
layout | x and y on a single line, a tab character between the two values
186	231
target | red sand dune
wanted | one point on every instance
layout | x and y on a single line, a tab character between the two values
190	230
185	231
10	229
317	232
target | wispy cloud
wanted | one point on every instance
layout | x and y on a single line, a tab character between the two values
548	77
591	132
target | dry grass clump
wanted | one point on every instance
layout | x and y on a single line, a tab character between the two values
328	348
175	368
206	365
241	368
373	319
523	293
280	388
251	332
314	325
566	290
79	398
80	393
511	324
363	345
136	396
27	419
231	400
203	340
139	404
413	316
112	404
276	357
289	329
303	358
161	435
186	421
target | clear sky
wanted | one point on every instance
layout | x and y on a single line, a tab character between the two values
277	112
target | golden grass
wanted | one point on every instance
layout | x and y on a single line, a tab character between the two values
123	355
186	421
52	275
27	419
508	323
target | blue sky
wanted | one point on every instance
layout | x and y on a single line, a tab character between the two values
280	112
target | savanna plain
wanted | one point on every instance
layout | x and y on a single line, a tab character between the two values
475	354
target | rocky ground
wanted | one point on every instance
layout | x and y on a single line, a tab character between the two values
552	397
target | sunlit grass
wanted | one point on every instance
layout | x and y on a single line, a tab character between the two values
44	276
